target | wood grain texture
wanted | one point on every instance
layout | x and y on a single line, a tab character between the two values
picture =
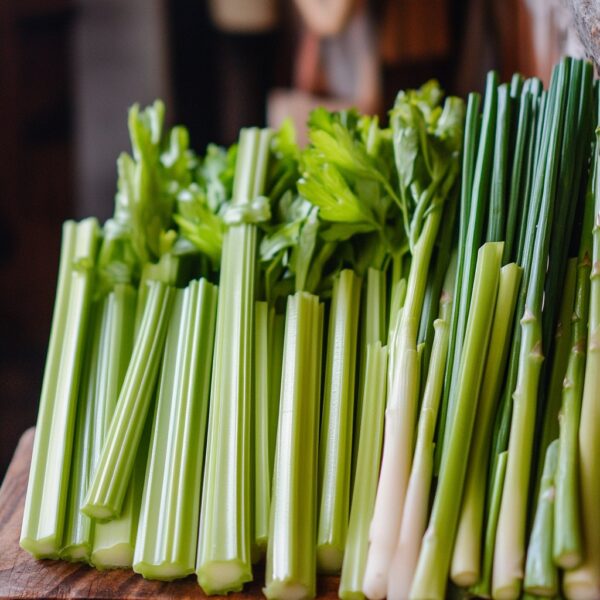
21	576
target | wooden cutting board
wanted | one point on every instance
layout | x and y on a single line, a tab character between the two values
21	576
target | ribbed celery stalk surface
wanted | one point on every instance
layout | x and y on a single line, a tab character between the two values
46	499
291	554
113	471
168	522
335	449
367	471
224	561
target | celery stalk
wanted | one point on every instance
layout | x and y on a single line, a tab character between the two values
77	538
372	323
414	519
108	487
113	541
45	503
224	549
335	450
541	575
262	467
268	351
431	575
168	523
466	558
584	581
367	472
291	553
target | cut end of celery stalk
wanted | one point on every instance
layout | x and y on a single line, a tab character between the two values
40	548
223	576
99	512
285	590
119	556
76	553
164	571
329	558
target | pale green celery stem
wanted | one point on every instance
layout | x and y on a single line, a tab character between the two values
168	523
108	487
224	561
560	357
541	574
373	323
47	490
584	581
400	419
466	560
431	575
568	551
276	338
77	537
335	447
113	541
416	507
367	473
291	555
265	332
484	585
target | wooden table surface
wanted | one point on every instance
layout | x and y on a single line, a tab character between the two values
21	576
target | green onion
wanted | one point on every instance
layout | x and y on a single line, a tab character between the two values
367	473
584	581
291	554
541	575
224	548
466	559
560	357
46	499
568	549
168	522
484	585
469	244
414	519
510	539
436	551
335	451
106	493
408	125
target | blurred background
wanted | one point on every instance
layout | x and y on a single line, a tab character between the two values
69	69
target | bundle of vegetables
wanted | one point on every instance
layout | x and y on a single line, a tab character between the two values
375	356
